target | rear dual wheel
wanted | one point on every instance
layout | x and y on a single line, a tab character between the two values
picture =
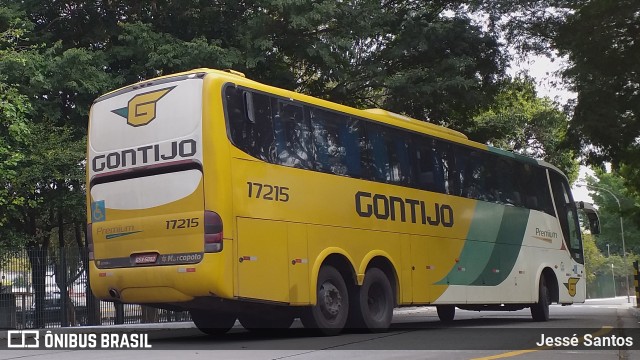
329	316
213	322
374	308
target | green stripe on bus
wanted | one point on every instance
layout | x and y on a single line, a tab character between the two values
478	248
520	158
491	250
509	242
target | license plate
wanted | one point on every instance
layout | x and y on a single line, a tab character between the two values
140	259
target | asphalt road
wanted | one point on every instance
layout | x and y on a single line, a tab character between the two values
416	334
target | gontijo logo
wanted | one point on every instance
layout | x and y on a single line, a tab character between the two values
141	109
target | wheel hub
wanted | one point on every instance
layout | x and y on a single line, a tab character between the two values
331	300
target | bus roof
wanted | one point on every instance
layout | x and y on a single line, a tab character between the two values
380	115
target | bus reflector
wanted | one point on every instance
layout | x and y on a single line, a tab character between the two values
212	232
90	241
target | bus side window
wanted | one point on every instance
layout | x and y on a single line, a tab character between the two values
292	136
239	130
432	167
330	139
507	192
472	170
253	137
534	188
380	156
352	136
399	164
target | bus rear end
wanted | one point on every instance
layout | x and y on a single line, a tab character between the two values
150	236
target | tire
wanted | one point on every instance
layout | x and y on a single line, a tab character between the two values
373	310
329	316
540	310
212	322
265	322
446	313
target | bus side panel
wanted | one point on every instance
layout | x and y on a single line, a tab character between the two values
298	264
356	243
262	260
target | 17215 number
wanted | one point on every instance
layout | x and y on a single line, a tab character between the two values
268	192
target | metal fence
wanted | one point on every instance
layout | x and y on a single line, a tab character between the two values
41	289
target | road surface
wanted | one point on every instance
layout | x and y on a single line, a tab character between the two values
416	333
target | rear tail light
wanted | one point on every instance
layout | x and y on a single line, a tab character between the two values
212	232
90	241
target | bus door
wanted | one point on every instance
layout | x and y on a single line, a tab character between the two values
574	278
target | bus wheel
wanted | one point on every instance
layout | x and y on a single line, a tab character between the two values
213	322
375	301
540	310
262	322
329	315
446	313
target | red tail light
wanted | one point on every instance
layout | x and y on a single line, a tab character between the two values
212	232
90	241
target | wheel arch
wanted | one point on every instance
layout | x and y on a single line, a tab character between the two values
551	280
382	261
338	259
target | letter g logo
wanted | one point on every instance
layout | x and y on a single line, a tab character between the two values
141	109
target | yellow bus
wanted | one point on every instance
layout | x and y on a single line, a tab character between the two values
232	199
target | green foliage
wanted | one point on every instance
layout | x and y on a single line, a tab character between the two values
15	138
599	38
520	121
610	213
594	261
601	41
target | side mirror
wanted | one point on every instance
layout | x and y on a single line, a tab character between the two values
592	215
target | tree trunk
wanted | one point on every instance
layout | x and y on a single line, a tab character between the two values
38	260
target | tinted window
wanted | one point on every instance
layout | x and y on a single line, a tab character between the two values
534	188
432	164
388	155
292	135
337	142
254	137
282	132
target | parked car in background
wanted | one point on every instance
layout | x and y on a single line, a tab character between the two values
53	312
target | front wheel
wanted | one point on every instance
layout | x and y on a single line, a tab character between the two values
329	316
540	310
446	313
213	322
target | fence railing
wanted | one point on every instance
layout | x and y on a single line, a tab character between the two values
51	289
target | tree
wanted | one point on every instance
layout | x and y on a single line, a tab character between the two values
594	262
46	105
15	132
599	40
521	122
605	73
610	213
